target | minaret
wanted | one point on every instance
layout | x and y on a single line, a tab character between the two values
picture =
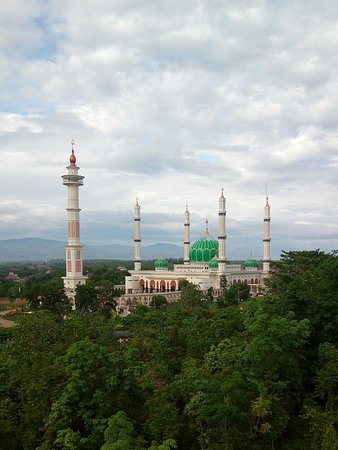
266	237
186	236
137	237
74	265
221	234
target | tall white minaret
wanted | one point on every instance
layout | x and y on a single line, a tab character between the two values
137	236
221	234
266	237
74	264
186	259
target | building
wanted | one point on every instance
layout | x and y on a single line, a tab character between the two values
74	259
204	264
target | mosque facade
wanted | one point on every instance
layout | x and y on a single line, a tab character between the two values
205	264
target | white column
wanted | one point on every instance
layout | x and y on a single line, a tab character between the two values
186	259
266	238
74	260
137	236
221	235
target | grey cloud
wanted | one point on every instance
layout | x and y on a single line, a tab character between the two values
169	101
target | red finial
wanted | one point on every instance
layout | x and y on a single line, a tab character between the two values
72	158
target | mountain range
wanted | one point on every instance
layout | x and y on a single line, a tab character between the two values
36	249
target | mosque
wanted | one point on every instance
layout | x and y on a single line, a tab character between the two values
205	263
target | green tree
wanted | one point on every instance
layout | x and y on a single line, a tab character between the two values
191	295
86	298
106	297
158	301
30	378
100	298
119	434
235	295
48	295
307	283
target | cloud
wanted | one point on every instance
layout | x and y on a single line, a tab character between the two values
169	101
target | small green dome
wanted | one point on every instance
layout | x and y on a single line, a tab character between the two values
213	263
250	263
161	264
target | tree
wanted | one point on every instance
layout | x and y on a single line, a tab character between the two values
307	283
86	298
120	433
158	301
100	298
30	377
191	295
235	295
48	296
86	398
106	297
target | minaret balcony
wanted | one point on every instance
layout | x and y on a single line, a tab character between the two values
73	179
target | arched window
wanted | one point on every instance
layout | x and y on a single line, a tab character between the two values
142	285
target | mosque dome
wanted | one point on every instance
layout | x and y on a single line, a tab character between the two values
203	250
161	264
251	263
213	263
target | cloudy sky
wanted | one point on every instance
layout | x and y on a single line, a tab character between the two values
168	101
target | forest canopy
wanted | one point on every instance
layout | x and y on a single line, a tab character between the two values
261	373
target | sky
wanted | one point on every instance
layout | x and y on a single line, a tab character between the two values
168	101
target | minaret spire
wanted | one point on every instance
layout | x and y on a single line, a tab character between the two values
221	234
186	245
206	233
74	261
266	236
137	236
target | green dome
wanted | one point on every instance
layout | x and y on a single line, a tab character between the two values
203	250
250	263
213	263
161	264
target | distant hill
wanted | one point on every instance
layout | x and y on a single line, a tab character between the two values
36	249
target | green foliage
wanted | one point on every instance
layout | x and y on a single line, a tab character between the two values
235	295
158	301
307	284
259	373
119	434
330	439
91	298
168	444
86	298
191	295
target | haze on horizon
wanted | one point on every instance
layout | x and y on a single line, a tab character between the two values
169	101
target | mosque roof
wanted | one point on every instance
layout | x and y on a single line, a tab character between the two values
161	263
213	263
204	249
251	262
